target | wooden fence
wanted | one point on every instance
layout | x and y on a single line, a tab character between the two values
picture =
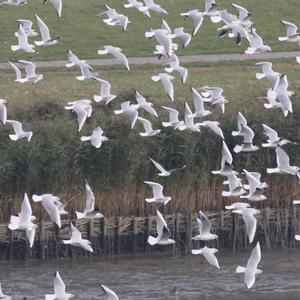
120	235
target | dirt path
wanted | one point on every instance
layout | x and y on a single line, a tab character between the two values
156	61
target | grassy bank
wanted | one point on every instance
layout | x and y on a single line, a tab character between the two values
87	33
57	161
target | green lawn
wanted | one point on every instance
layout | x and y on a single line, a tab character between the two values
84	32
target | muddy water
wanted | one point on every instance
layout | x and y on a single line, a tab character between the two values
158	276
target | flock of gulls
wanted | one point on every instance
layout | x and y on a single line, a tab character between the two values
278	96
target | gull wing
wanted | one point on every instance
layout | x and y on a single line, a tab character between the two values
44	30
111	295
81	115
26	211
243	12
173	113
250	222
254	257
156	188
198	101
89	199
290	27
105	86
158	166
59	286
16	69
17	126
203	223
226	155
253	182
161	226
146	123
283	160
75	233
270	133
29	67
248	134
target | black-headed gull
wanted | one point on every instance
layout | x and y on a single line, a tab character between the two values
237	206
214	96
48	201
235	187
24	221
151	5
105	95
129	110
198	101
83	110
174	66
204	229
257	44
86	73
188	121
96	139
163	171
76	240
251	269
90	212
31	75
45	34
209	254
241	123
139	6
59	289
273	139
249	219
57	5
114	18
19	132
163	232
292	34
144	104
214	126
226	163
73	59
27	27
158	196
166	81
149	131
110	295
283	164
117	53
267	72
23	42
255	188
173	116
244	16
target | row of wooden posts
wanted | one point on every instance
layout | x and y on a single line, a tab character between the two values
124	235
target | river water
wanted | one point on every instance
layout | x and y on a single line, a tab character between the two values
157	276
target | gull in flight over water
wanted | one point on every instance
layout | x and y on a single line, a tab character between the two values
59	290
163	232
24	221
226	163
48	201
23	42
76	240
19	132
148	128
31	75
3	296
163	171
251	270
45	34
117	53
90	212
129	110
255	187
158	196
249	219
57	5
166	81
204	229
105	95
96	139
209	255
110	295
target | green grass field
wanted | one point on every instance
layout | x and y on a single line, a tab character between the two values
84	32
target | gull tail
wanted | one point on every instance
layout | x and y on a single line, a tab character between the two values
297	237
14	223
226	194
169	70
13	137
85	138
152	240
272	170
282	38
98	98
37	198
195	251
237	148
15	48
150	200
240	269
155	78
166	124
260	76
50	297
79	215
